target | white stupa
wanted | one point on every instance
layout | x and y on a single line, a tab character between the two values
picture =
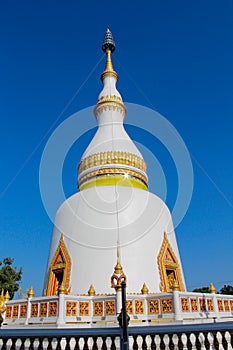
112	230
113	217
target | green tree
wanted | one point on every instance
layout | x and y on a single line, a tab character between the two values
227	289
9	276
202	290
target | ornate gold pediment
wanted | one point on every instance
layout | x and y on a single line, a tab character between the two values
59	270
169	267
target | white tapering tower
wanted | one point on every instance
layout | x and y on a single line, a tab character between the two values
113	214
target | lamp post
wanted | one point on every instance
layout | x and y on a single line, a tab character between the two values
123	319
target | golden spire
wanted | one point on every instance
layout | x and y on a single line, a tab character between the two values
212	289
7	296
61	289
108	47
118	268
175	285
91	290
144	289
30	292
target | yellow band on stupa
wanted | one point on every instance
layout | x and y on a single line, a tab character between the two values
113	181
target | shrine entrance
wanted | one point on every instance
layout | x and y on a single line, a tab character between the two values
169	267
59	271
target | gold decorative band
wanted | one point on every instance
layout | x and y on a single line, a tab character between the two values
109	73
110	98
111	157
112	181
115	105
112	172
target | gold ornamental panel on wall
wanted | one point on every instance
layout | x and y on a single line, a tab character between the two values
84	308
110	307
166	305
98	308
210	305
34	310
194	304
43	309
139	306
71	308
220	305
112	157
23	311
8	311
153	306
129	306
185	304
53	308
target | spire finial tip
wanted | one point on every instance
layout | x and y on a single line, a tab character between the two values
108	43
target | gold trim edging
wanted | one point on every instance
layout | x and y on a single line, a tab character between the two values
113	171
117	157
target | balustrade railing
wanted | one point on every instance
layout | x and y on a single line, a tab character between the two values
151	308
176	337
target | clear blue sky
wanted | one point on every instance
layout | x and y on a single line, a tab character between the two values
175	57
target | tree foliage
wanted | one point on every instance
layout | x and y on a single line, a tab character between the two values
9	276
202	290
227	289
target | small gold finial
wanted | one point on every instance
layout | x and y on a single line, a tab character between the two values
144	289
7	296
61	289
212	289
118	268
91	291
30	292
118	275
175	285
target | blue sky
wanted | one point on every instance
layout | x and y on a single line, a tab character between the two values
174	57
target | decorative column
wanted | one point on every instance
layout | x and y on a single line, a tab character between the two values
145	291
30	294
91	292
61	306
176	301
212	290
